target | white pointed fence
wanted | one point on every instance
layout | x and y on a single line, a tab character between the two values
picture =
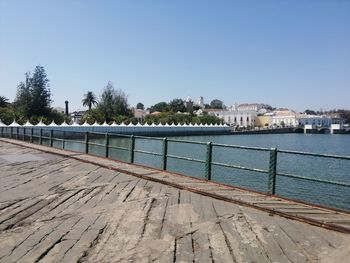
144	129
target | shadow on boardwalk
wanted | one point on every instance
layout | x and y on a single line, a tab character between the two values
58	209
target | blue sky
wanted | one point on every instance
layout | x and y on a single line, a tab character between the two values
293	54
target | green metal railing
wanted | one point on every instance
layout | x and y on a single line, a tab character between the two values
50	136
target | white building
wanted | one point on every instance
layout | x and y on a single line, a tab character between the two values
249	106
285	118
200	102
242	118
315	120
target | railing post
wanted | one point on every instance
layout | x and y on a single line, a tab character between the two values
31	134
64	139
165	153
86	142
41	136
272	171
132	148
1	134
11	132
208	161
51	138
107	145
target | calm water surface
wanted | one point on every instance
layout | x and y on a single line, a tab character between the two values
314	167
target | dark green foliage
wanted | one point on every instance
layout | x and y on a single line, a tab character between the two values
93	115
140	106
7	115
207	106
170	117
23	100
33	101
41	94
160	106
310	112
177	105
216	104
113	103
3	102
54	115
121	118
33	96
89	99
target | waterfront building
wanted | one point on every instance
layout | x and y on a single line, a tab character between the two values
241	118
249	107
315	120
336	119
285	118
263	121
140	114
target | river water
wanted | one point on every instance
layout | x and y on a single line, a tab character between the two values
314	167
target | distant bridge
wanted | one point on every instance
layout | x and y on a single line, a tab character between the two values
332	129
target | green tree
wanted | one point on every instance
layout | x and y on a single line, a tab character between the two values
7	115
106	101
171	117
89	99
177	105
41	94
34	96
113	103
216	104
160	106
3	102
92	115
140	106
207	106
310	112
23	101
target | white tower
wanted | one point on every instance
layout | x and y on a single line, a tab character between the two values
200	102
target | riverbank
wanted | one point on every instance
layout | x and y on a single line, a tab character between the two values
292	130
270	131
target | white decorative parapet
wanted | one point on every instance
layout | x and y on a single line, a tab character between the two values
129	128
14	124
28	124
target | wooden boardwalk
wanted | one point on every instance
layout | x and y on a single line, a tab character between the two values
69	207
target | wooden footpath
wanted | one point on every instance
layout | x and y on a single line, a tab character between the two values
62	206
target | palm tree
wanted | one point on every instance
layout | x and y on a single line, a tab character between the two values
89	99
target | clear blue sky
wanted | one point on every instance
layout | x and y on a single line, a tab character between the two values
293	54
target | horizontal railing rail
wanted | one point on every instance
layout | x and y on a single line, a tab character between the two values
242	147
88	139
316	154
240	167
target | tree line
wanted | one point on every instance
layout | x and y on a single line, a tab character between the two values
33	103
